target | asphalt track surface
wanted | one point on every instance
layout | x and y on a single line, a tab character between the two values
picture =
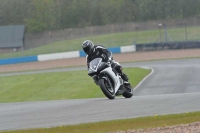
172	87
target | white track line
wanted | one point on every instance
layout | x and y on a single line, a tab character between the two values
152	71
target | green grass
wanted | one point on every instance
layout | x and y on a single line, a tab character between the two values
56	86
110	40
125	124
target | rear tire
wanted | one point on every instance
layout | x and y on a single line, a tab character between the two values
109	92
128	92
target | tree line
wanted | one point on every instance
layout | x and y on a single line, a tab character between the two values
40	15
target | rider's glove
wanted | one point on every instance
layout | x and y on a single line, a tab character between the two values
109	59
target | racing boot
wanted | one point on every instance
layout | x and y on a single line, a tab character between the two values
119	69
125	78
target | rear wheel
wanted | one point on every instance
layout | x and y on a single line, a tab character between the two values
106	88
128	91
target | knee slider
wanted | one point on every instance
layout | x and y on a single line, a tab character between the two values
118	68
124	77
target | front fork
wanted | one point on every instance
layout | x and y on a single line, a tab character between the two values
104	76
110	84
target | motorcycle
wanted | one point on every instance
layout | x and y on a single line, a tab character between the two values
109	79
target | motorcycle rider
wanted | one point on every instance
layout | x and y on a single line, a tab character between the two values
98	51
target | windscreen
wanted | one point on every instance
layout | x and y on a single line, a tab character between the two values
95	63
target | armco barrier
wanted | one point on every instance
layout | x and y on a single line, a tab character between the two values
63	55
55	56
18	60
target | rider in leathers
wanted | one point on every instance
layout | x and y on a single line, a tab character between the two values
98	51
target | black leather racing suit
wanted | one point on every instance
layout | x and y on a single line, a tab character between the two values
101	52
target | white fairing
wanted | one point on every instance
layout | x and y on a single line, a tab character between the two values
113	76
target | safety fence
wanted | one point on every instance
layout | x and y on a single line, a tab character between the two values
167	45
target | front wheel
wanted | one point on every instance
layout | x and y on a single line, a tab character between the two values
106	88
128	91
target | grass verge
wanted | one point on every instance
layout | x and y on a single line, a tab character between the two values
125	124
57	86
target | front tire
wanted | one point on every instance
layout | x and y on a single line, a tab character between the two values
108	91
128	91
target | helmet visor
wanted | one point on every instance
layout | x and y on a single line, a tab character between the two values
86	50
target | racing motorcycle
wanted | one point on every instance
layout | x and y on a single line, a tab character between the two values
109	79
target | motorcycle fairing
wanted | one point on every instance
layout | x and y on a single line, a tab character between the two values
93	65
113	76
